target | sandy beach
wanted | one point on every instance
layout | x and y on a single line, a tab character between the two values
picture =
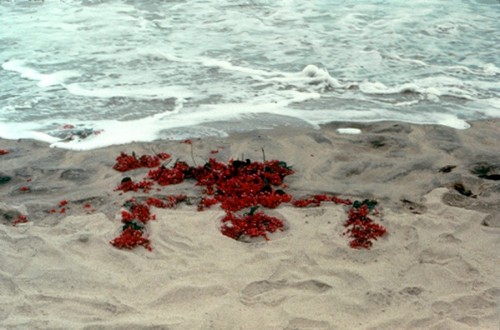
438	266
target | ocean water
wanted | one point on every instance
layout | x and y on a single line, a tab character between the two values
85	74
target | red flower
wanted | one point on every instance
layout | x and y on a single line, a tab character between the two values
24	188
4	152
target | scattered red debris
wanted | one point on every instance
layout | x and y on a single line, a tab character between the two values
213	152
316	200
128	185
169	202
20	219
187	141
88	208
4	152
68	126
60	207
25	189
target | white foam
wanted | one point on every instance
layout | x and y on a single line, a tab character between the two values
491	69
380	88
25	131
132	92
349	130
44	80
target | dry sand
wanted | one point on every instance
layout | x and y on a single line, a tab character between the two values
438	268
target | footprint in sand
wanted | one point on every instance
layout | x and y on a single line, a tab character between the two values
275	292
412	291
492	220
303	323
486	171
448	238
447	257
413	207
467	309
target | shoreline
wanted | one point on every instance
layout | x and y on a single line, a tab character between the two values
437	268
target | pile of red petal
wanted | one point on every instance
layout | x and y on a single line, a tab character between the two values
126	162
250	225
166	176
239	185
360	227
236	186
131	238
